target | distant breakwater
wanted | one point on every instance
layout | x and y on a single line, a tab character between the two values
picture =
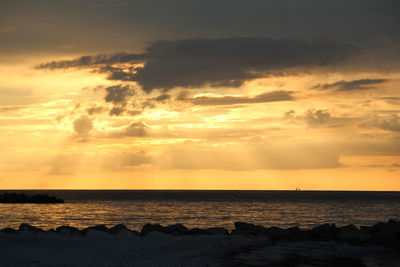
382	233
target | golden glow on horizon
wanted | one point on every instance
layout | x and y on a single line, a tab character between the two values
181	146
361	179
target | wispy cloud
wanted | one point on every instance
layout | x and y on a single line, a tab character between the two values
273	96
354	85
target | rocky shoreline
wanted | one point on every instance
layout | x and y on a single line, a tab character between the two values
176	245
382	233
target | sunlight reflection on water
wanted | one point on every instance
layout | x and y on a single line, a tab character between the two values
135	213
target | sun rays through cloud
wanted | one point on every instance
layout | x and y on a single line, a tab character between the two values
260	105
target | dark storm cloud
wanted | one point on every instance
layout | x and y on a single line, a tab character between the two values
95	26
361	84
273	96
218	62
231	61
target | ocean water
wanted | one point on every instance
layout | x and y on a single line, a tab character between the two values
135	208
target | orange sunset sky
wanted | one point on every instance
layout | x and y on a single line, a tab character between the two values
200	94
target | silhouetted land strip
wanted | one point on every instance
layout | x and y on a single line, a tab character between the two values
23	198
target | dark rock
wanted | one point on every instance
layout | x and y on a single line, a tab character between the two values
148	228
217	231
393	226
276	233
69	230
296	234
294	229
100	227
321	232
8	230
367	229
378	227
24	227
175	229
198	231
23	198
363	236
248	229
334	230
116	229
386	233
351	233
208	231
349	228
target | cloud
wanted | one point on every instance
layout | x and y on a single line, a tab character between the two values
128	27
183	95
118	94
273	96
95	110
135	129
392	100
83	125
86	61
361	84
134	112
11	108
388	123
162	97
317	118
218	62
116	111
289	115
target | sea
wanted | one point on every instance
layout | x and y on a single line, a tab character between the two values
203	208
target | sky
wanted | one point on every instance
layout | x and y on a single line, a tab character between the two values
189	94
